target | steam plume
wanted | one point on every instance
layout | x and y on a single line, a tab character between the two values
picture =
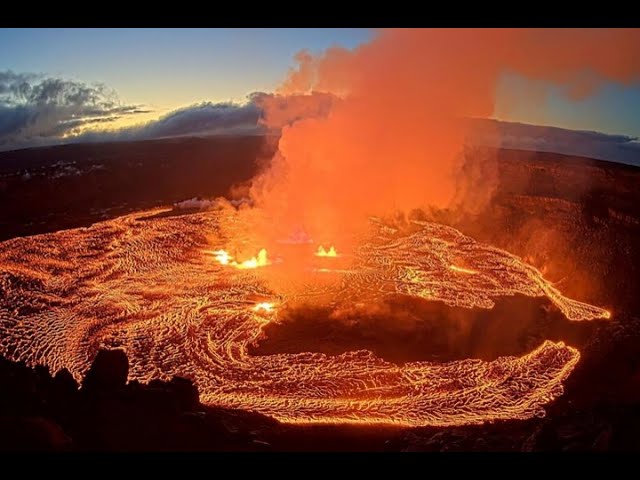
394	140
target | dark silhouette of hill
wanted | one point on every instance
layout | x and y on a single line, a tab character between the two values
66	186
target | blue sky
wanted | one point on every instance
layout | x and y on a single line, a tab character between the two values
613	108
169	68
166	69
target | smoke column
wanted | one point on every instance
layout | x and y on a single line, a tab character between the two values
393	138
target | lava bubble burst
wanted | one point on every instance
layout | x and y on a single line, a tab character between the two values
172	292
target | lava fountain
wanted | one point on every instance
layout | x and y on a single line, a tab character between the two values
321	252
223	258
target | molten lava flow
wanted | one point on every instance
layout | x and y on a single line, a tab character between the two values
321	252
147	287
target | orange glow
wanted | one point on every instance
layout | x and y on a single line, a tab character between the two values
266	307
321	252
395	141
332	270
462	270
390	140
198	318
223	258
255	262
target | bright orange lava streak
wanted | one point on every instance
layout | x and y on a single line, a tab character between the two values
462	270
146	286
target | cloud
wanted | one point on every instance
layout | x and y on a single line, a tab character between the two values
601	146
262	113
36	109
39	110
204	118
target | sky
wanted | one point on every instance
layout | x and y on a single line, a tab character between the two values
613	108
155	72
166	69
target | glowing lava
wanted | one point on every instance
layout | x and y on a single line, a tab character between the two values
462	270
223	258
146	286
266	307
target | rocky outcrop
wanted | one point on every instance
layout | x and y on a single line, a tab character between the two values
41	412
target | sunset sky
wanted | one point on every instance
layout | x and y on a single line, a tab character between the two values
165	69
160	70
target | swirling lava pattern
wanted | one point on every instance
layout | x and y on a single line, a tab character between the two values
144	283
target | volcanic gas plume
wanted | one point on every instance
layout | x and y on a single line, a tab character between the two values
393	137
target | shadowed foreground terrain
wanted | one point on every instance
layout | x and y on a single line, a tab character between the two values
52	413
42	412
577	220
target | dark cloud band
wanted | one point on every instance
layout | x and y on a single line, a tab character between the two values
36	109
601	146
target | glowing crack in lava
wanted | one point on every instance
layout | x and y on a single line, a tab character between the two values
142	282
462	270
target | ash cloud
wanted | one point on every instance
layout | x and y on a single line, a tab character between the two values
36	109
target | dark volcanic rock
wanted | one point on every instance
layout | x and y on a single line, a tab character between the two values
109	371
64	383
186	393
32	434
115	178
41	412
